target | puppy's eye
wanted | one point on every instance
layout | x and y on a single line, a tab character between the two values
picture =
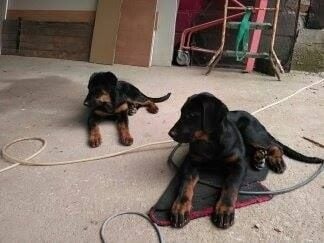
191	115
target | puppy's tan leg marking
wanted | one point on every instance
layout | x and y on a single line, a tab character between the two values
182	206
225	208
95	136
124	134
121	108
151	107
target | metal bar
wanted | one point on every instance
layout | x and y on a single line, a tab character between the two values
275	22
195	48
189	38
182	41
250	7
278	61
253	25
214	63
215	59
224	25
230	53
210	24
273	65
189	31
238	3
256	35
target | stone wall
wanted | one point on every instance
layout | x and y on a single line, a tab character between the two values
309	51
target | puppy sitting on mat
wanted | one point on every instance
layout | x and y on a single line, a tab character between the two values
111	98
222	139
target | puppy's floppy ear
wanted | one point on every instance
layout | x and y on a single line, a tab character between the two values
91	80
213	112
120	98
86	102
109	76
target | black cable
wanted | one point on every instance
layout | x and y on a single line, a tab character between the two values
104	225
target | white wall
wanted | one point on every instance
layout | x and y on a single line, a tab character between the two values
164	36
53	5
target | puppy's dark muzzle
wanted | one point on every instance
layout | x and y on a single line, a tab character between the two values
173	134
179	136
95	104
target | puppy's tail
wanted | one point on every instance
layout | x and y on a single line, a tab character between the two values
160	99
298	156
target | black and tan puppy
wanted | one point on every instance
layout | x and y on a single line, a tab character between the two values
214	141
111	98
223	139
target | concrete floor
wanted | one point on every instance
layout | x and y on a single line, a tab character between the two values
43	97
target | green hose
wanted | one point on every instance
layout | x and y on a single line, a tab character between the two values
242	38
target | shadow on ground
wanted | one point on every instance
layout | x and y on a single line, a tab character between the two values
57	98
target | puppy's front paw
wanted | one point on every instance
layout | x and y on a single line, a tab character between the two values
126	140
95	140
223	216
180	213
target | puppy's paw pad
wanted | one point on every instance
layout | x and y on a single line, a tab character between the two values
259	159
132	110
259	155
95	141
180	214
223	217
126	140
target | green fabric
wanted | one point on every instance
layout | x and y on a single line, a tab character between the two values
242	38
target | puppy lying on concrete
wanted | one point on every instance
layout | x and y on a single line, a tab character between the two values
113	99
223	140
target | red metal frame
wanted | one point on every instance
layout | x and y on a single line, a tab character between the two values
260	10
274	60
256	36
187	33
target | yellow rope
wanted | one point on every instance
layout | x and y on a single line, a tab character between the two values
17	161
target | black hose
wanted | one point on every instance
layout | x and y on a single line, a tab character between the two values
275	192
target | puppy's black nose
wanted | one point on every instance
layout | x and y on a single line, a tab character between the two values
172	133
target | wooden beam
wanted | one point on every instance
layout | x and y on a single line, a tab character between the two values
105	32
135	34
53	15
47	39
